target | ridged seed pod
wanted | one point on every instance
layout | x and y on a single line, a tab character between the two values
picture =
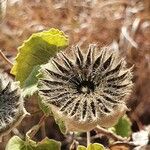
86	89
11	105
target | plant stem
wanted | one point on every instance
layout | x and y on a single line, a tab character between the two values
42	120
6	59
109	134
88	138
16	132
43	131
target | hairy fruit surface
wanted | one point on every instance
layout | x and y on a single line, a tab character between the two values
12	110
86	88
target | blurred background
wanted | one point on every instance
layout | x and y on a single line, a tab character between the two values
125	23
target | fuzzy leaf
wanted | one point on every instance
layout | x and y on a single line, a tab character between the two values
44	107
45	144
30	85
35	51
123	127
15	143
95	146
62	126
80	147
48	144
47	111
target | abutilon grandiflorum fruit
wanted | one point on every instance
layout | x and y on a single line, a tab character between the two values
12	110
86	88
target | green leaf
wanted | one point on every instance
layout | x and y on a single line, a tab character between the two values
35	51
44	107
48	144
47	111
80	147
95	146
123	127
61	124
30	85
15	143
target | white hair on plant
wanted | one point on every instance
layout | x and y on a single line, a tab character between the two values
86	89
12	109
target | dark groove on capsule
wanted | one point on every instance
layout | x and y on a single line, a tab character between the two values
116	69
54	74
93	108
70	64
84	109
53	82
111	93
80	55
103	107
66	104
60	68
6	88
99	101
75	108
51	90
118	86
77	58
107	62
60	99
74	80
60	95
97	62
109	99
55	103
88	60
117	78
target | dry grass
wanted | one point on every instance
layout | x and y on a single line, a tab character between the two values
124	21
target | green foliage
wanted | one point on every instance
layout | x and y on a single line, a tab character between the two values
15	143
80	147
61	125
30	84
47	111
48	144
44	107
95	146
123	127
35	51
